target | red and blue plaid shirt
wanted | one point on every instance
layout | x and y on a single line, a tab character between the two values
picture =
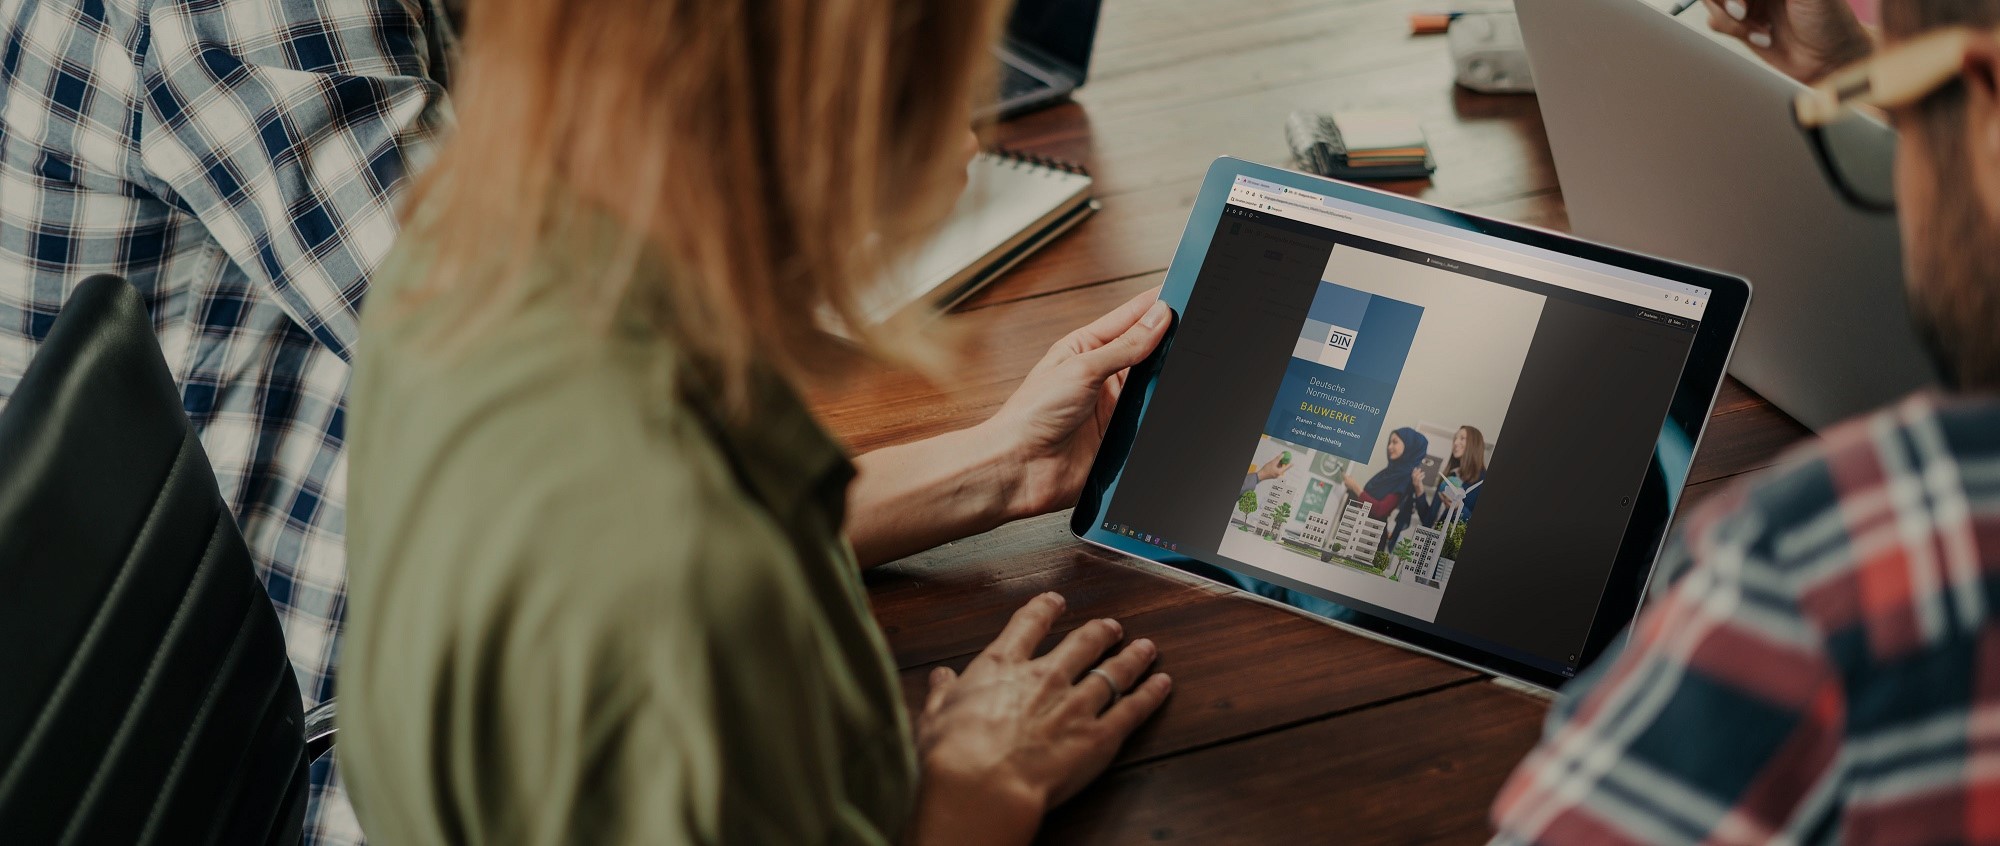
1825	668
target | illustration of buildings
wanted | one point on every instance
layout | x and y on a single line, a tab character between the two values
1267	521
1425	545
1317	529
1357	534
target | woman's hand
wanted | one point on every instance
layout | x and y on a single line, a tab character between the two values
1029	458
1055	421
1273	469
1015	735
1803	39
1353	486
1417	478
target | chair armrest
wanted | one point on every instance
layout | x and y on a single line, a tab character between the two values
319	731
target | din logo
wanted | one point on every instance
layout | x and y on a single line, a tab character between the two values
1339	343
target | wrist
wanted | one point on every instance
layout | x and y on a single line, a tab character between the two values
1000	459
962	809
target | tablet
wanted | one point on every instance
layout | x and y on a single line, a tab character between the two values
1465	436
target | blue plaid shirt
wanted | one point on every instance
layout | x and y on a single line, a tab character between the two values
237	161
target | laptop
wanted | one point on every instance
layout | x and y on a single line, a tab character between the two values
1459	435
1045	54
1669	142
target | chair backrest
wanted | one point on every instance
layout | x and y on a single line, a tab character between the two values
145	696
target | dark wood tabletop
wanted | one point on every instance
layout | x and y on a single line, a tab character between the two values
1281	728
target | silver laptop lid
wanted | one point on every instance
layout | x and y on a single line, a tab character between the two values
1670	143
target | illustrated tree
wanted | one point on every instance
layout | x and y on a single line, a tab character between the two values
1284	513
1247	503
1381	559
1452	539
1405	549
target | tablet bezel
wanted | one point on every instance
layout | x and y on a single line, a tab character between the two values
1653	509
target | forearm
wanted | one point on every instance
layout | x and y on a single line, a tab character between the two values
909	498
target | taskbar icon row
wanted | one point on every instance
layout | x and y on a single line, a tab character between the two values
1123	530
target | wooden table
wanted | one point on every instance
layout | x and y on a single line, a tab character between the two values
1280	728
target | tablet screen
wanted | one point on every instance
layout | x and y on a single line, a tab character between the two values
1373	411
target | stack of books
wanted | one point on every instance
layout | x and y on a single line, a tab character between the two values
1360	145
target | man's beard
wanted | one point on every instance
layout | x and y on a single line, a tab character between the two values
1931	336
1954	296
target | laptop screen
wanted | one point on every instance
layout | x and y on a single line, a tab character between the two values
1439	427
1061	30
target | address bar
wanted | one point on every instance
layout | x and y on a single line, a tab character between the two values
1429	242
1391	233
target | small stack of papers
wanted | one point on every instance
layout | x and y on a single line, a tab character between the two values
1361	144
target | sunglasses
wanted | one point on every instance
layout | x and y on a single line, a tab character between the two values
1841	115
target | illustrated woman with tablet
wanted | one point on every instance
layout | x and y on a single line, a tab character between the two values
1462	473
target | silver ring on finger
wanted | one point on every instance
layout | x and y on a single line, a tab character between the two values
1108	682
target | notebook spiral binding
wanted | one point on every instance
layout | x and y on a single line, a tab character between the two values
1023	158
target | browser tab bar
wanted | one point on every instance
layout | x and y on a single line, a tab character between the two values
1678	300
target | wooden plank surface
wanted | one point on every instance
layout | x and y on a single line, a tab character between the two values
943	606
1418	770
1281	728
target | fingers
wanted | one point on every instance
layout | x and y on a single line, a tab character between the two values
1124	669
1720	20
1101	331
1082	648
1739	19
1754	13
1727	16
1113	323
1114	388
1105	329
1027	627
1127	713
1129	348
941	680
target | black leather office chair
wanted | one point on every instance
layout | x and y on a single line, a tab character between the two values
145	696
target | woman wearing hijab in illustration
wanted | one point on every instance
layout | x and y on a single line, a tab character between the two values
1391	487
1466	468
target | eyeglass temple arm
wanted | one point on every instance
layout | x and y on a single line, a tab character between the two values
1896	76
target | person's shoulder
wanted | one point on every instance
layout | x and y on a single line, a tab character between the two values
1902	496
1944	447
584	432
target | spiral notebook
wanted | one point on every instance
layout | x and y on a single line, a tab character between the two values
1014	203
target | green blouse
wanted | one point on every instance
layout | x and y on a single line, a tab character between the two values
585	608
